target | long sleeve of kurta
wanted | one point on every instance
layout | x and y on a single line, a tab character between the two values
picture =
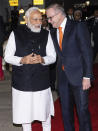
15	60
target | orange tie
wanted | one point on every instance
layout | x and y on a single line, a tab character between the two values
60	37
60	41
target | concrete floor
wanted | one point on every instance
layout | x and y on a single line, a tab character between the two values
6	105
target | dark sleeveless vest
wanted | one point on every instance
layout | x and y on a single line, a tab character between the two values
29	77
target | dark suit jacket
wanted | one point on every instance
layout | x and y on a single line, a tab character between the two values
76	52
2	35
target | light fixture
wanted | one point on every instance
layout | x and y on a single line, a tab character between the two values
42	11
22	22
21	11
87	3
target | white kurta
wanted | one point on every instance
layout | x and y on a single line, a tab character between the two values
30	106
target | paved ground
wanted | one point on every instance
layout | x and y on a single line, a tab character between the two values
5	105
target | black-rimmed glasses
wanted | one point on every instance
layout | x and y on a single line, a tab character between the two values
51	17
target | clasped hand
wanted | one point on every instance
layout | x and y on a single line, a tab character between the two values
32	59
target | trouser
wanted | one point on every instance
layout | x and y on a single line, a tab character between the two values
46	125
68	96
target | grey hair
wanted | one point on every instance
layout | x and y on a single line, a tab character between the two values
57	7
78	11
27	13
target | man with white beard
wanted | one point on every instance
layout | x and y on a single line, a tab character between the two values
30	50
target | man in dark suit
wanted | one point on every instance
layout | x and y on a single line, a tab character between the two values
74	66
70	14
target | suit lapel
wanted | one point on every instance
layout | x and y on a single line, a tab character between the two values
66	33
54	37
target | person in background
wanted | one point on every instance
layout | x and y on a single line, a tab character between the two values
30	50
45	24
14	18
74	66
2	37
78	15
70	14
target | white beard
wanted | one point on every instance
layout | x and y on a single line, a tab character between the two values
33	28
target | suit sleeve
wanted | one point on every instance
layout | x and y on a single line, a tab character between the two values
85	48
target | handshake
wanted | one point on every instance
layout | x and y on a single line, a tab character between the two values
32	59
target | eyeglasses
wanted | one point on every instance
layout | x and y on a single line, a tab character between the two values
37	20
51	17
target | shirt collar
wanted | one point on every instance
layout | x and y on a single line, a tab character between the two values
63	23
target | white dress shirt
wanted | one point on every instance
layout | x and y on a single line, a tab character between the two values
63	24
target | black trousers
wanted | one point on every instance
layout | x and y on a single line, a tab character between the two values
70	95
